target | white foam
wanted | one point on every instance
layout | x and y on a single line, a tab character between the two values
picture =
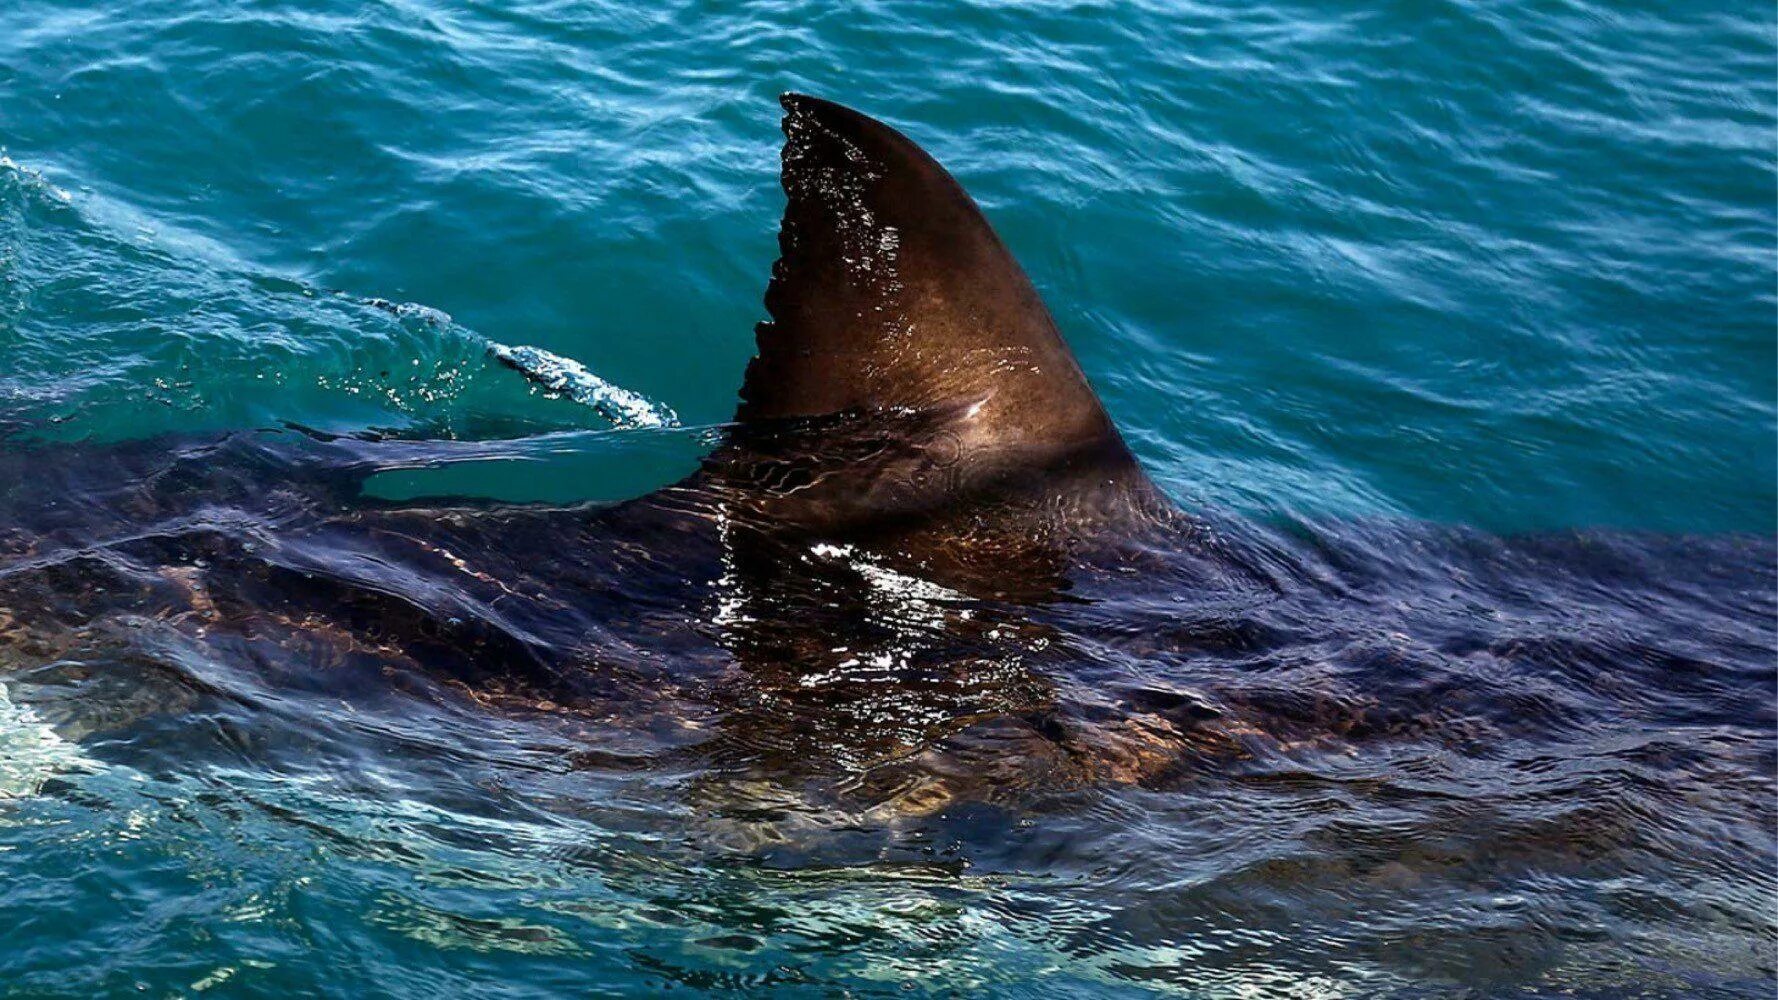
557	374
34	179
30	751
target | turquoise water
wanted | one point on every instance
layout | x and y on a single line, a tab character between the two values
1504	265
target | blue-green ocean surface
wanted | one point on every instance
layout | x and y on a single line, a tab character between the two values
1502	266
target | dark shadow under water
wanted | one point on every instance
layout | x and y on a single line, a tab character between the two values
1380	754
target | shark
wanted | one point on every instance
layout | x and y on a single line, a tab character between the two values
921	566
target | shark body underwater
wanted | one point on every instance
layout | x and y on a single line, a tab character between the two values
921	569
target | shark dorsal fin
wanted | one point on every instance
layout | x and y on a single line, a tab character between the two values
892	292
910	382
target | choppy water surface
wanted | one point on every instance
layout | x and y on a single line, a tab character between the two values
1451	324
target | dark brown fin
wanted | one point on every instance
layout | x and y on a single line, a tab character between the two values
894	293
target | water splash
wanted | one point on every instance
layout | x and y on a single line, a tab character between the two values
31	752
565	376
32	180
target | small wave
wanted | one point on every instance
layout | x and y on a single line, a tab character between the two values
556	375
33	180
410	310
568	377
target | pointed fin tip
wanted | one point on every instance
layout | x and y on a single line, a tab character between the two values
793	101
